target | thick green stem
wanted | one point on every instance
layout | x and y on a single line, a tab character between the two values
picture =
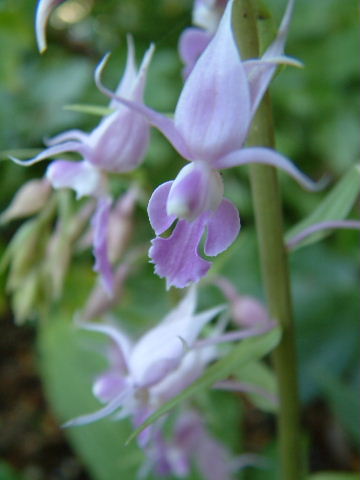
274	264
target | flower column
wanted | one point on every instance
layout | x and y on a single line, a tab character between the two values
274	264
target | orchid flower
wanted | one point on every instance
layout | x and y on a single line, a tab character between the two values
191	443
144	374
118	144
209	128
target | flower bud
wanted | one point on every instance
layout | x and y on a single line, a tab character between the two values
24	252
25	298
58	259
248	312
29	199
121	224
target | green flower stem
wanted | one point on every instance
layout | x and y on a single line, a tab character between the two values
274	264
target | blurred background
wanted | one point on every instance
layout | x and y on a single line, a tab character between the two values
46	368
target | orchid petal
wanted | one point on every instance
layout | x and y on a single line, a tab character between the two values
129	77
139	417
266	156
139	85
158	370
203	318
80	176
100	224
43	11
259	73
120	141
55	150
185	308
121	340
156	354
223	227
159	219
177	258
161	349
321	226
158	120
192	43
109	385
262	75
212	459
236	335
103	412
277	47
213	111
69	135
190	436
190	369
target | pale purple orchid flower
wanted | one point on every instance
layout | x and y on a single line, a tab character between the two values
43	11
192	444
209	128
118	144
144	374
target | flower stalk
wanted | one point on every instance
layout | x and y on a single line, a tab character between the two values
274	263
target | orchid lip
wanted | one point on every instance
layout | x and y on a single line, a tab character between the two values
197	189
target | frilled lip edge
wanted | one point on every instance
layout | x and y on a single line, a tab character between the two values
177	257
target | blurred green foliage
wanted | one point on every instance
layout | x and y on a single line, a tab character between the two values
316	117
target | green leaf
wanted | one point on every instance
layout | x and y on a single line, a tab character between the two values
335	206
247	351
90	109
334	476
